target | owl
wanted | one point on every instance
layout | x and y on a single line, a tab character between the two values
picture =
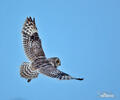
39	63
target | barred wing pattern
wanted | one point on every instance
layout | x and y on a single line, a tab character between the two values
39	63
29	72
31	41
51	71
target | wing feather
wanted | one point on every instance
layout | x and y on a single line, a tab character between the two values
55	73
31	41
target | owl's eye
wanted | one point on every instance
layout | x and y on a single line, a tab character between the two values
57	61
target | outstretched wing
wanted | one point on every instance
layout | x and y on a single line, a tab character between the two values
31	41
55	73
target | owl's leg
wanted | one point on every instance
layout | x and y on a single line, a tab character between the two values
29	80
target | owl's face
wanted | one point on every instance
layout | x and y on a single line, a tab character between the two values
55	61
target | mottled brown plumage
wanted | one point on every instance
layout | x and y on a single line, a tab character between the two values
38	61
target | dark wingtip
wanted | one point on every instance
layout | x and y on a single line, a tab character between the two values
30	19
79	78
33	20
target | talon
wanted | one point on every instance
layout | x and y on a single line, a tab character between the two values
28	80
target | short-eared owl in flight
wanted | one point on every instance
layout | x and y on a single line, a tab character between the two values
39	63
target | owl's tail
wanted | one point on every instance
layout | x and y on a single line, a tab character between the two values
27	72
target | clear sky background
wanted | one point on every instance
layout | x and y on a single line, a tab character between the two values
84	34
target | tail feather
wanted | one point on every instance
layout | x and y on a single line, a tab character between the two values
27	72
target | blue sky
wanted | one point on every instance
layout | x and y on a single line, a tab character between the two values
84	34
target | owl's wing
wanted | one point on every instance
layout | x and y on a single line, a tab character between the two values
31	41
55	73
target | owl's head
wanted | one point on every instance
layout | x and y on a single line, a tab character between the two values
55	61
